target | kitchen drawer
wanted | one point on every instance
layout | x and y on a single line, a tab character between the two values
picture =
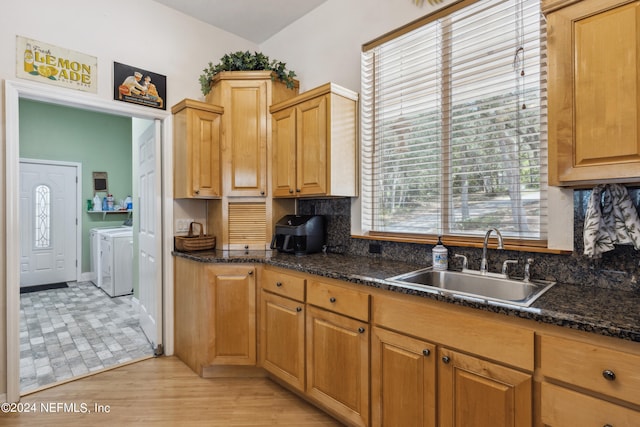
592	367
348	302
563	407
286	285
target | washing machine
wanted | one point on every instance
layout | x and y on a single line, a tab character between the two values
116	261
94	251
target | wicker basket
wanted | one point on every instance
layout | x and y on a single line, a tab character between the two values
190	243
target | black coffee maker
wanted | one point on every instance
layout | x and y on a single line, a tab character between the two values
299	234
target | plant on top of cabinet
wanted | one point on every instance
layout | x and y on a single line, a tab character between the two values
246	61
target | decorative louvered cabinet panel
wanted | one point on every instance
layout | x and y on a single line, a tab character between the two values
247	225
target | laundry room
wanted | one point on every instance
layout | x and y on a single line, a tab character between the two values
78	310
101	144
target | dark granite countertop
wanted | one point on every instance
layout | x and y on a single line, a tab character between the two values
609	312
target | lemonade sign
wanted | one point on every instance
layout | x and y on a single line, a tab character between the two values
54	65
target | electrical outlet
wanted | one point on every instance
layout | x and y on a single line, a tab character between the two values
182	225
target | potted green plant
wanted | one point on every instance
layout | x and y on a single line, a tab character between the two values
246	61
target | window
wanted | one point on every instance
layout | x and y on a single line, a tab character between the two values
454	124
42	215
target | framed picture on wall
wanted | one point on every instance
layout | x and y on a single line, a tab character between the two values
139	86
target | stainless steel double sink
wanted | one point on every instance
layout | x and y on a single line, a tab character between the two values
472	285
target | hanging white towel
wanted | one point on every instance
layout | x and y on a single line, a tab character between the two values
611	219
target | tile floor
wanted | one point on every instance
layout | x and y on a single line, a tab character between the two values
73	331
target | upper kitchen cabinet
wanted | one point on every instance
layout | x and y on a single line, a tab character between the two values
196	150
594	91
246	127
315	144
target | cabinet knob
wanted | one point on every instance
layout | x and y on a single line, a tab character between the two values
426	352
298	190
278	284
446	359
262	193
291	191
361	330
607	425
332	300
250	273
298	309
609	375
197	191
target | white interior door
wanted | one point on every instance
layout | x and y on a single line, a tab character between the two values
149	234
48	226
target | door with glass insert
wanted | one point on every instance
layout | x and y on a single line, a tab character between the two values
48	198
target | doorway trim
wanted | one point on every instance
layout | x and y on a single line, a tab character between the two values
78	203
14	90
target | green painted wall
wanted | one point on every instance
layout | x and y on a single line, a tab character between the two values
100	142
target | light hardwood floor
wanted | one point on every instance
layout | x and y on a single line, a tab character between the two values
165	392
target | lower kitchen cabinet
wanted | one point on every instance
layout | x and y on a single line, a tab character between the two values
476	392
282	339
338	364
215	320
563	407
403	380
231	298
595	384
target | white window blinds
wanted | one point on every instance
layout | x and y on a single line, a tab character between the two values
454	125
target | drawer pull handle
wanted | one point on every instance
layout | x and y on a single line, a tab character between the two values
609	375
361	330
298	309
426	352
446	359
278	284
332	299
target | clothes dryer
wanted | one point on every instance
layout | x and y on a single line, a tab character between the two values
116	262
94	251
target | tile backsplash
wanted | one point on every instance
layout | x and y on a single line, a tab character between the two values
618	268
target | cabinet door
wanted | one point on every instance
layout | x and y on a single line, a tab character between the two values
338	364
205	162
403	380
594	92
231	302
196	150
282	338
312	147
475	392
284	153
245	137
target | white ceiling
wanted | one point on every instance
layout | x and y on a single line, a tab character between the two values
254	20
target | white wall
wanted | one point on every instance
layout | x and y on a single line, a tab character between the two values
325	44
140	33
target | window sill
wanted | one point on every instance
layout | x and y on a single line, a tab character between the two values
539	246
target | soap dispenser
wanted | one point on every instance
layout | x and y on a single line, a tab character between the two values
440	256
